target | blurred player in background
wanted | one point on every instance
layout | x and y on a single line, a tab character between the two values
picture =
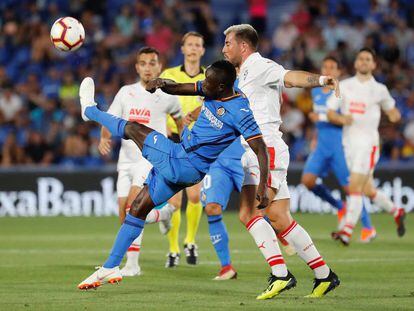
135	104
262	80
362	99
329	155
192	47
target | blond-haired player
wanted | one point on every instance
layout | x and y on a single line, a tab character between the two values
262	80
192	47
361	102
134	103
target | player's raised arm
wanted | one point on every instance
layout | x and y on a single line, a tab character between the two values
259	147
173	88
298	78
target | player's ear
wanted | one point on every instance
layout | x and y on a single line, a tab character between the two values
136	67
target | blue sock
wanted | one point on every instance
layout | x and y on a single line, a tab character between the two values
114	124
219	238
323	192
129	231
365	218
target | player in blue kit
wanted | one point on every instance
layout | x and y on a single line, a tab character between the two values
224	116
329	155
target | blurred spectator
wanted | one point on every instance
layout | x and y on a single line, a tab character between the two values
258	15
10	103
39	109
37	151
285	34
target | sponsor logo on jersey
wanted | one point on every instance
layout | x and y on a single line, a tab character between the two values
140	115
214	122
155	139
357	107
221	111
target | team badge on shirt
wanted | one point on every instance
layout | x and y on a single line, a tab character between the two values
221	111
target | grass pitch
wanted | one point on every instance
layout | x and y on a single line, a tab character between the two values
43	259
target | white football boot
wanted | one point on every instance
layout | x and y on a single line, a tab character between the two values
165	224
100	277
87	95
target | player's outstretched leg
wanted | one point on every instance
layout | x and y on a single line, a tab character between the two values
117	126
129	231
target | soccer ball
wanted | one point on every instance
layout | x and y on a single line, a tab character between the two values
67	34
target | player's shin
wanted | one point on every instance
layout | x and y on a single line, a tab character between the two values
219	238
305	248
266	240
353	213
193	214
129	231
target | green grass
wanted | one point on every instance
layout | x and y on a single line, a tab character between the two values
43	259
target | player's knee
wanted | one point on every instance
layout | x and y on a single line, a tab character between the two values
194	197
213	209
308	181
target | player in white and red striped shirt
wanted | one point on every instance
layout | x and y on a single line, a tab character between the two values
362	99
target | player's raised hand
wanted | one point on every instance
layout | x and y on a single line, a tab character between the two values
104	146
155	84
262	197
333	84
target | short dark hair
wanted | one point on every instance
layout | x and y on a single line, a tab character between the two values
225	72
148	50
332	58
244	32
368	50
191	34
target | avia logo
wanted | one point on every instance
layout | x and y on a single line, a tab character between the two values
155	139
140	115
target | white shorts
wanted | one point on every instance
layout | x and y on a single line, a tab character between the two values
361	159
132	175
278	162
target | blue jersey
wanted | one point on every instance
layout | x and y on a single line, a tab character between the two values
234	151
328	133
219	124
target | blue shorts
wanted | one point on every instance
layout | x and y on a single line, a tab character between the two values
323	160
224	176
172	170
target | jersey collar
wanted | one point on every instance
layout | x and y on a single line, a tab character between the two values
183	70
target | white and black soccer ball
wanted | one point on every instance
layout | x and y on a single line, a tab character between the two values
67	34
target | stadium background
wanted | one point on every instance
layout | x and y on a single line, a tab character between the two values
41	134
